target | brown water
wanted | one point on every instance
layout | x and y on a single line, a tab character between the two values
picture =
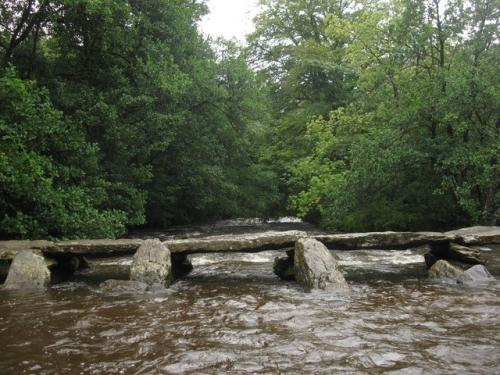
232	315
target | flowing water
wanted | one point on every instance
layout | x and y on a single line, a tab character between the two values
232	315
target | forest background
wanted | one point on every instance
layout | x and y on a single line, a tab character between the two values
355	115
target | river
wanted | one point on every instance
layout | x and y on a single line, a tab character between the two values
232	315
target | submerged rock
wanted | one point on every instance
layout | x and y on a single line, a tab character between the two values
316	268
29	270
152	264
123	286
443	269
475	275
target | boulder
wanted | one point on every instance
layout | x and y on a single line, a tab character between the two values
123	286
443	269
480	235
152	264
283	268
382	240
29	270
475	275
316	268
234	243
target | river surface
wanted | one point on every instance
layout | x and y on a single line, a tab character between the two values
233	316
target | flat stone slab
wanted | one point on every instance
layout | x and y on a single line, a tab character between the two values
9	249
477	235
234	243
382	240
95	247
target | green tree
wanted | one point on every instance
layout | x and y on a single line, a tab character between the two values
428	157
49	180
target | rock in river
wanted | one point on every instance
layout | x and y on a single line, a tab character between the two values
444	269
152	264
29	270
457	253
316	268
464	254
475	275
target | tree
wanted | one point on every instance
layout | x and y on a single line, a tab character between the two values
172	122
427	157
49	180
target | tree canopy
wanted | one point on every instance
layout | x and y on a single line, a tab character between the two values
352	114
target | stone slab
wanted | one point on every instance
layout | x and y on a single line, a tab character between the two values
382	240
236	243
479	235
96	247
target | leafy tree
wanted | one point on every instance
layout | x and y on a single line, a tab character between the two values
49	181
427	157
175	126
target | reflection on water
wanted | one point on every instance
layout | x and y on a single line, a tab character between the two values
232	315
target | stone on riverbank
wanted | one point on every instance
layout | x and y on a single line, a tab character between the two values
443	269
475	275
29	270
316	268
152	264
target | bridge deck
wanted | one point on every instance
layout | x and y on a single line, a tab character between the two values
253	242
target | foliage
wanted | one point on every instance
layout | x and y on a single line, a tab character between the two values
159	128
49	179
354	114
423	138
